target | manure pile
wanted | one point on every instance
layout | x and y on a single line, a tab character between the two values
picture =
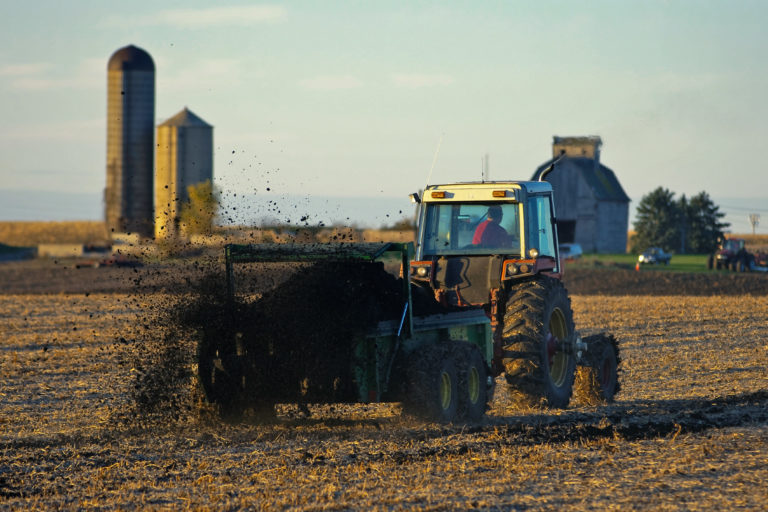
296	340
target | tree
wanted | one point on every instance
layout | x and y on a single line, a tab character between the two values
200	210
687	225
657	222
704	225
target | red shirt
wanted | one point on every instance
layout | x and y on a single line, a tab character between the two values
490	234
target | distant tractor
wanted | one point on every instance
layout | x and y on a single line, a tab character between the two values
732	254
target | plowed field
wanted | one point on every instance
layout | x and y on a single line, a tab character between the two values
689	430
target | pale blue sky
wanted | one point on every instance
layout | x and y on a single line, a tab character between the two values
351	99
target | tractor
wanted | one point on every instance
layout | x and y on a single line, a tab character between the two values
494	245
732	254
478	296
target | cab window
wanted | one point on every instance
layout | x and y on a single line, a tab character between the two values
540	229
471	228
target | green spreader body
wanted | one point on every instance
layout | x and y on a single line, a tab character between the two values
387	348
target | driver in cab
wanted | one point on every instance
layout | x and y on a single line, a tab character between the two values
489	233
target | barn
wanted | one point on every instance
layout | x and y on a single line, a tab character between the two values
591	206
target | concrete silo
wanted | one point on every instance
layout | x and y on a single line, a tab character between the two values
130	141
184	157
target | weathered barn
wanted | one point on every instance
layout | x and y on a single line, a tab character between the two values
591	206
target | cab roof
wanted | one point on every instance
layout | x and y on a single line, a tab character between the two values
495	191
531	187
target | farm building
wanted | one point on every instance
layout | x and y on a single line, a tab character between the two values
184	158
130	141
591	206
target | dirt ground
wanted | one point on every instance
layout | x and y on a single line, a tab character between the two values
689	430
71	276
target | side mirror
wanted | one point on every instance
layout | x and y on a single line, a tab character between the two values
415	198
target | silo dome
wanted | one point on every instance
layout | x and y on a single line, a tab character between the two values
130	58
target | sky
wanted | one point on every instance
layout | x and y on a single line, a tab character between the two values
341	109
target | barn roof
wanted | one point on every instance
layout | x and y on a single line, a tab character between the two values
600	178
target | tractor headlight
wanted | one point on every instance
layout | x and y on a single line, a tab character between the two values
533	253
511	269
421	270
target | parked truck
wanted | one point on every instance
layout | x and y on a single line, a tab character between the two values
487	255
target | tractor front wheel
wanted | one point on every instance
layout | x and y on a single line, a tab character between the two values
538	340
597	381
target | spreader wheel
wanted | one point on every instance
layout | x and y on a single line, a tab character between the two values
433	386
473	382
597	381
220	375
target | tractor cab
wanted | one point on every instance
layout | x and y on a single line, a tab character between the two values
733	245
474	238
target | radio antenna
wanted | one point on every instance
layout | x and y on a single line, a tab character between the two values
434	159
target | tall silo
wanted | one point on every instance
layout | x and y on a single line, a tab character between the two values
184	157
130	141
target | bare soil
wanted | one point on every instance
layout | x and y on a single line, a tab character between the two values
72	276
689	430
621	281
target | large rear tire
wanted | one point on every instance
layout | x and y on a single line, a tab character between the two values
597	381
538	339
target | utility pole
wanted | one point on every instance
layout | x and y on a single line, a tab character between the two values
754	219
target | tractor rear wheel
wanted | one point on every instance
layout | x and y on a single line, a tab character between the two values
597	381
433	386
538	339
473	382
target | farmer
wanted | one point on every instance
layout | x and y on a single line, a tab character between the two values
489	233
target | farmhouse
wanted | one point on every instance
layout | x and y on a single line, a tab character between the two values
591	207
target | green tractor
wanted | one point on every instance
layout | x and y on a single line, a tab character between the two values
494	245
431	327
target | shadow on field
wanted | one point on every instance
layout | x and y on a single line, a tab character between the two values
636	420
401	441
631	421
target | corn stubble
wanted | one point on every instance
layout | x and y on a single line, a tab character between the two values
687	431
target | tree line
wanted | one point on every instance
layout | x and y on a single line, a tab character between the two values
680	225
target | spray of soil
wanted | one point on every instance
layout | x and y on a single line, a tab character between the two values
290	343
